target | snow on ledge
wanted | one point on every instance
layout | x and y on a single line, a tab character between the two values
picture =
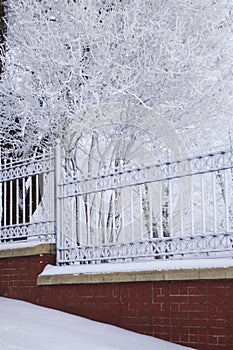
142	266
27	248
24	244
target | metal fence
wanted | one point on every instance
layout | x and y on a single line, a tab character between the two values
25	211
178	209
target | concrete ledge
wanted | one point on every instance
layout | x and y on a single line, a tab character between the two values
30	250
142	276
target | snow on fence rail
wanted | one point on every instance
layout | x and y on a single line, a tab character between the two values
176	209
22	207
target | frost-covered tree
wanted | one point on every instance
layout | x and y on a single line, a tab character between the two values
64	56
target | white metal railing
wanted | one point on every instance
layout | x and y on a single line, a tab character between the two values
24	210
179	208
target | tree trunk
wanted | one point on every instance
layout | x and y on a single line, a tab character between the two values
2	28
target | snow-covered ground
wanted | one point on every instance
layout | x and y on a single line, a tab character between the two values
24	326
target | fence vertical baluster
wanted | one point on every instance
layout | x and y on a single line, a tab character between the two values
106	207
23	201
78	220
215	226
170	206
160	204
113	216
192	208
132	213
30	197
101	217
97	217
11	198
122	215
141	212
72	205
181	208
203	204
17	201
88	219
170	211
57	200
4	201
150	211
227	229
37	189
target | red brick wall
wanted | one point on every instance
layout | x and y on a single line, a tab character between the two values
194	313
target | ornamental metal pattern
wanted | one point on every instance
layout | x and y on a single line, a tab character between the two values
175	209
172	247
27	198
27	167
43	231
212	162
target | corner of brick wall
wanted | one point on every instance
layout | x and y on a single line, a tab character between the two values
18	275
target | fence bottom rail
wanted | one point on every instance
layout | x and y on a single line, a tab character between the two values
208	245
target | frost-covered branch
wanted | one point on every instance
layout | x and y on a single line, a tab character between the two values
64	56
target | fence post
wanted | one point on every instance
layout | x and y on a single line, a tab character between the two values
57	197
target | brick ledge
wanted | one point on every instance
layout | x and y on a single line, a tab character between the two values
137	276
37	249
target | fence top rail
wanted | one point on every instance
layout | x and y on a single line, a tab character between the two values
211	162
27	167
7	163
131	169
